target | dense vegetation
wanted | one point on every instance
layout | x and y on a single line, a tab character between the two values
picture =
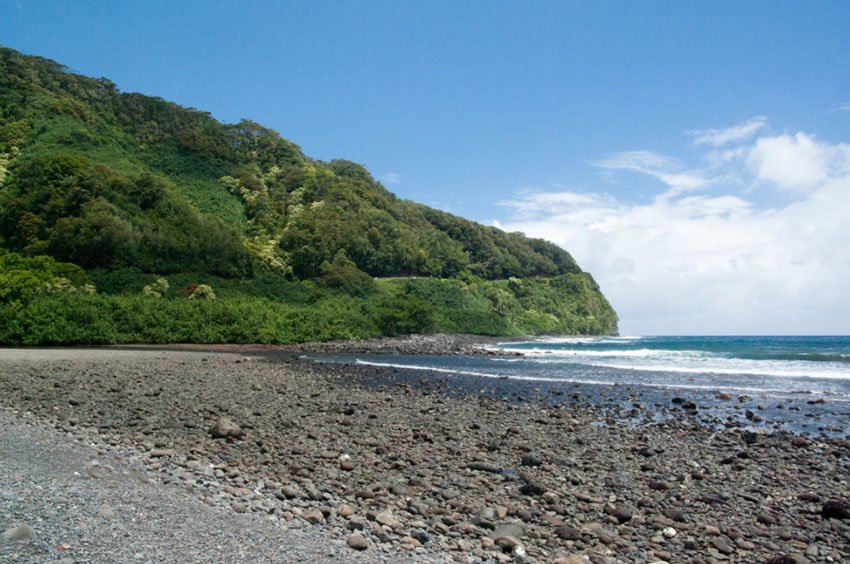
103	193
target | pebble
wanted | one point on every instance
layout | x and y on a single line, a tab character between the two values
514	530
568	533
767	518
357	542
722	546
225	427
711	531
531	459
314	516
387	518
620	513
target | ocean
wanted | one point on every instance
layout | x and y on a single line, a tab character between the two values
798	384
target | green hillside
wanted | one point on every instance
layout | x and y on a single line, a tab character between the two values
131	188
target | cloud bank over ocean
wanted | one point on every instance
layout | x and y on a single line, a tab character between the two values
754	233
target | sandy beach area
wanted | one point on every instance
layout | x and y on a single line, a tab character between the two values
347	462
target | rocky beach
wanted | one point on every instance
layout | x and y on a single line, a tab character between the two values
361	464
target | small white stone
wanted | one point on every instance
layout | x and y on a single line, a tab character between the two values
669	532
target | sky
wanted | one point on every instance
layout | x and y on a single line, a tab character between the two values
693	156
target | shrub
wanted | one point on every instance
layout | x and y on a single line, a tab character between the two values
202	292
157	289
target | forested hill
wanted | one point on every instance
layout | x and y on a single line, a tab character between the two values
107	179
111	181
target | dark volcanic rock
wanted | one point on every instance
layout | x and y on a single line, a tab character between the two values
532	459
620	513
766	518
722	546
568	533
782	559
673	513
484	467
799	441
837	509
809	496
532	489
659	485
531	485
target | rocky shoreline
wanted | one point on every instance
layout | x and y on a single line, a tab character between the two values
440	344
413	472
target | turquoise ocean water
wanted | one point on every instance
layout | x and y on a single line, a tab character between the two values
793	383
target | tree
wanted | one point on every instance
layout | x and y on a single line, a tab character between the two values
342	274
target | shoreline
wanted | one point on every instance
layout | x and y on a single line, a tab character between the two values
415	471
436	344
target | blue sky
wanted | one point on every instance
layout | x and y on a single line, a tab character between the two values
692	156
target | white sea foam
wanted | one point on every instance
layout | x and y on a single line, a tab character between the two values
571	340
455	372
680	362
628	353
744	368
429	368
587	381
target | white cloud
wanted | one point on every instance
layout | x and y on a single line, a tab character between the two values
719	263
719	137
391	178
845	107
797	162
667	170
548	202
